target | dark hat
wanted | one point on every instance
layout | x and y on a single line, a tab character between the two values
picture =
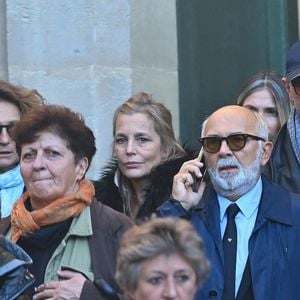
293	62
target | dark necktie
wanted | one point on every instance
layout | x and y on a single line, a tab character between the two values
230	246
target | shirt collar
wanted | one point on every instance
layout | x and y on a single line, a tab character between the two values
247	203
82	224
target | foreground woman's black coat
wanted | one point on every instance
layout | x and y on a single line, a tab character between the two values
160	189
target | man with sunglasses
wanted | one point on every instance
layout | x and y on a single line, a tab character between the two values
15	101
251	228
283	167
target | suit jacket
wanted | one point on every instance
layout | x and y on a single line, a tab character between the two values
274	245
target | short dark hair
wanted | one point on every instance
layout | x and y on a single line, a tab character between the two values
60	120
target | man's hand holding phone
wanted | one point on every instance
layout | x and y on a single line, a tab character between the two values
184	184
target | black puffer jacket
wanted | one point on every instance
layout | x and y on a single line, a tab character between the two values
283	167
161	179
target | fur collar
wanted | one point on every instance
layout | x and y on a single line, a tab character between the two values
160	187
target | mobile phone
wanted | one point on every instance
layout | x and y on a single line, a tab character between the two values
197	180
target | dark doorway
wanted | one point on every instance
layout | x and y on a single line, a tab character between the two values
221	44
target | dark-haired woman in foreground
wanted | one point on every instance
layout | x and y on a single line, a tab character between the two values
71	238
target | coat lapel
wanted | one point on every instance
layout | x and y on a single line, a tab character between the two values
210	213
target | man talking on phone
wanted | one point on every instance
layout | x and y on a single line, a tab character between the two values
250	227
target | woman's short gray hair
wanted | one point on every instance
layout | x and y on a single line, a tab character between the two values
159	236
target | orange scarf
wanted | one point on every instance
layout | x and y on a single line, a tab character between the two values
24	221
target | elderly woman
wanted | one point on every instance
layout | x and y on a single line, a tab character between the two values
265	93
146	156
161	259
71	238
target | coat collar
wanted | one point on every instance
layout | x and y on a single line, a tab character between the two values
275	205
209	210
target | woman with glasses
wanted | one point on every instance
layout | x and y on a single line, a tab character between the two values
265	93
15	102
146	156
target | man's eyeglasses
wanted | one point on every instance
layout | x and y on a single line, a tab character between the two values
296	85
235	142
9	128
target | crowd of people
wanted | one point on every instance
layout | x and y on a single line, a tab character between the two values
143	230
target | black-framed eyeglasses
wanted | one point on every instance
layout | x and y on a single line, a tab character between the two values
296	85
9	128
235	142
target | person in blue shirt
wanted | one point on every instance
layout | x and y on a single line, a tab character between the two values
267	260
15	101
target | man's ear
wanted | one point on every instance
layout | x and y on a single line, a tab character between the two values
288	87
267	148
286	84
82	167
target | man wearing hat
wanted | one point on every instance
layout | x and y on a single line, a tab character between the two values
284	166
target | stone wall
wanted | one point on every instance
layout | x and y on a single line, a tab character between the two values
91	55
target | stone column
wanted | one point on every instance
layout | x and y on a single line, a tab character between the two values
3	42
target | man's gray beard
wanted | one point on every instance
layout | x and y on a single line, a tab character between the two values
236	184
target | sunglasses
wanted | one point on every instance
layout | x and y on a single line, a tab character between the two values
235	142
9	128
